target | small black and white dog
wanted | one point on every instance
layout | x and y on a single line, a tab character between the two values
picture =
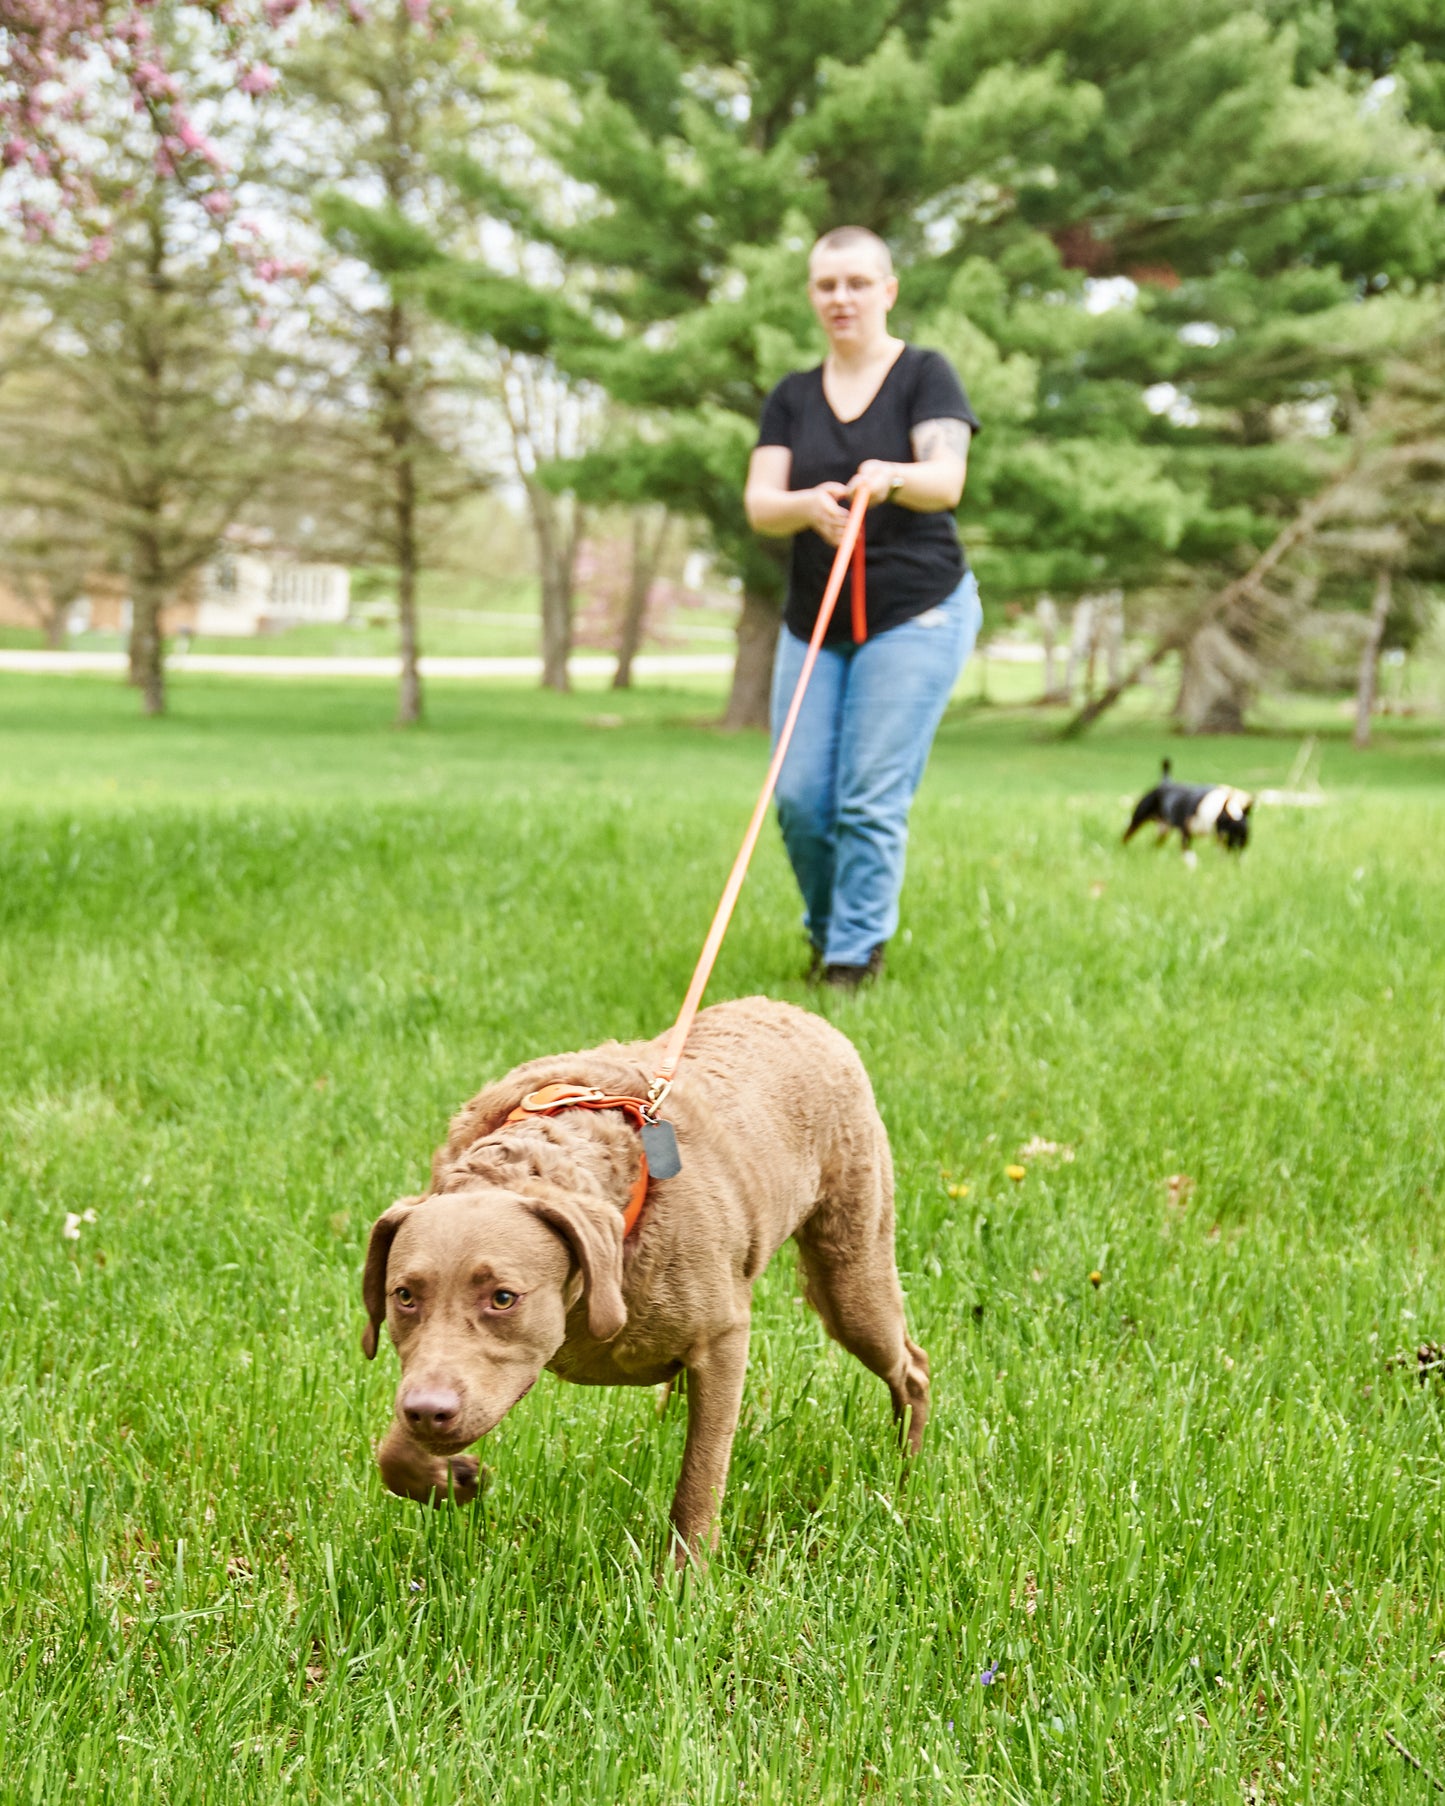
1195	809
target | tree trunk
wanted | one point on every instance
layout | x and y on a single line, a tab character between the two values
646	557
147	668
1370	658
408	703
1047	615
399	429
1217	678
1114	636
38	595
1081	645
558	542
753	671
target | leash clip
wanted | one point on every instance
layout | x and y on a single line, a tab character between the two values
656	1096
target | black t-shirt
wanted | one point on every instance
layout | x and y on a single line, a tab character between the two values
913	560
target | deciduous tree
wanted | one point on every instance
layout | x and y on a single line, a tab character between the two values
379	102
165	405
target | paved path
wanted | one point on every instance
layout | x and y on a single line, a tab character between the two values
585	664
244	664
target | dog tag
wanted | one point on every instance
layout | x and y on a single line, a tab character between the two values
659	1143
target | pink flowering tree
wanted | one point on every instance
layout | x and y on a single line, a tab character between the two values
142	402
54	52
59	54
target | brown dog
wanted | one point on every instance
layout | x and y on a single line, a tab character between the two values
516	1260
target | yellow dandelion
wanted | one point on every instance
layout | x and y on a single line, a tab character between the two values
1096	1278
958	1191
1017	1172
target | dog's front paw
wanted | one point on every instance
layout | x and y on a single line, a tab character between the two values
413	1473
467	1478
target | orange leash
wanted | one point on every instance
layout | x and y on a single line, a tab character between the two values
850	548
643	1111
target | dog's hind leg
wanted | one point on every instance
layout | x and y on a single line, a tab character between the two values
851	1280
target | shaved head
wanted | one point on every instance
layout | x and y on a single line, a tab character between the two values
851	238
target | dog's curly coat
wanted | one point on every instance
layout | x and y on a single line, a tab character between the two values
515	1259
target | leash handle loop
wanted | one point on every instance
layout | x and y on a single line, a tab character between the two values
850	549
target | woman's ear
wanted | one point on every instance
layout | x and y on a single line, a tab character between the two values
373	1279
592	1229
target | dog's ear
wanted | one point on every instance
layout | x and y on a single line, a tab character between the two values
593	1231
373	1279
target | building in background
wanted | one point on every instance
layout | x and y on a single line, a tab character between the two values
242	593
245	590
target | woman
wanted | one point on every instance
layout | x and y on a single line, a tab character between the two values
890	418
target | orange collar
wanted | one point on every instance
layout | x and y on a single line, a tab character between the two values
552	1098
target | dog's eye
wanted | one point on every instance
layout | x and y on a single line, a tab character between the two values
503	1300
403	1296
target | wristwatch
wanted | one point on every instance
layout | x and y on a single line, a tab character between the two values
896	482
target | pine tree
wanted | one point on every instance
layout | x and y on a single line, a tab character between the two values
1208	167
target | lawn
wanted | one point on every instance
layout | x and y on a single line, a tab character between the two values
1175	1500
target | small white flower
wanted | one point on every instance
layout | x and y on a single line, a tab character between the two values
73	1223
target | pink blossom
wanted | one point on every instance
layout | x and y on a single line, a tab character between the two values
97	251
154	83
192	140
217	203
418	10
37	222
47	46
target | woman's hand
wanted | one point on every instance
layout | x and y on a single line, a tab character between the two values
823	511
878	477
775	509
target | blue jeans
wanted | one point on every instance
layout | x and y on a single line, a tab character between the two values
856	757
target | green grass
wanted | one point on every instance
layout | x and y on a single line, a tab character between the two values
251	957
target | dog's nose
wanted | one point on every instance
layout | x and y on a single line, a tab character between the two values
431	1408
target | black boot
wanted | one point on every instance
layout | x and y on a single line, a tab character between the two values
849	978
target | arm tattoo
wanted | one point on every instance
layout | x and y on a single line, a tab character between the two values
940	438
